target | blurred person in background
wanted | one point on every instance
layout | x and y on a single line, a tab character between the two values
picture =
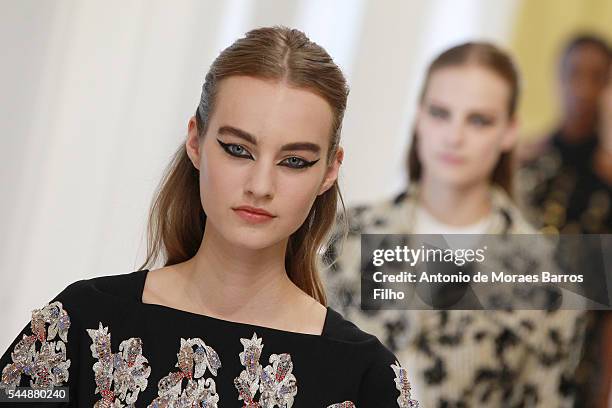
460	168
565	186
560	191
594	374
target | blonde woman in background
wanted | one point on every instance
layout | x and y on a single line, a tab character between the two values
460	167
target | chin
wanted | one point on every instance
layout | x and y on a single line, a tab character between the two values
252	240
450	175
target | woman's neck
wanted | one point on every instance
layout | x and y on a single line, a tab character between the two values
456	206
239	284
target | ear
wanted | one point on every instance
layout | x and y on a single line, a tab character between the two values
192	145
510	136
331	174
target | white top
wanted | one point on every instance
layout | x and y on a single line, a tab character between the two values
426	223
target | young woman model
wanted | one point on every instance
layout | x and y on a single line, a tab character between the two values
460	172
237	315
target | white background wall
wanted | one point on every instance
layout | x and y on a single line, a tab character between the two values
96	96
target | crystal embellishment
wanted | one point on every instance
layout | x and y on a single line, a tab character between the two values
276	382
119	376
403	386
194	357
48	365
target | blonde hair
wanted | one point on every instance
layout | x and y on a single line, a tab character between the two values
177	219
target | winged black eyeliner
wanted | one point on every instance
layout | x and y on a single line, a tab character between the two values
226	147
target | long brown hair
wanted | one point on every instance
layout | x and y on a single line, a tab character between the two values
177	219
488	56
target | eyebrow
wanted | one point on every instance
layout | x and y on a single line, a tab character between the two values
476	111
230	130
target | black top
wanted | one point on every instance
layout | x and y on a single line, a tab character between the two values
565	192
99	339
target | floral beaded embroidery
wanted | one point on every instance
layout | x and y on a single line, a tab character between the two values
276	383
200	391
403	386
119	376
48	366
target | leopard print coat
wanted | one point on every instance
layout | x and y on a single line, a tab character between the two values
459	358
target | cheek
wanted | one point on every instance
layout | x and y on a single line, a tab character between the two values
485	148
489	142
430	136
296	193
219	183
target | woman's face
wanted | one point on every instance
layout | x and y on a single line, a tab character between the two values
463	125
265	151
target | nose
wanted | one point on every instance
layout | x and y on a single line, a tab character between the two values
455	135
261	180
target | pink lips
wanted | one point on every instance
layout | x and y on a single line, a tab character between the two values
451	159
253	215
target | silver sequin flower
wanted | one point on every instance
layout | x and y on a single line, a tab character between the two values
119	376
276	382
199	391
48	365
